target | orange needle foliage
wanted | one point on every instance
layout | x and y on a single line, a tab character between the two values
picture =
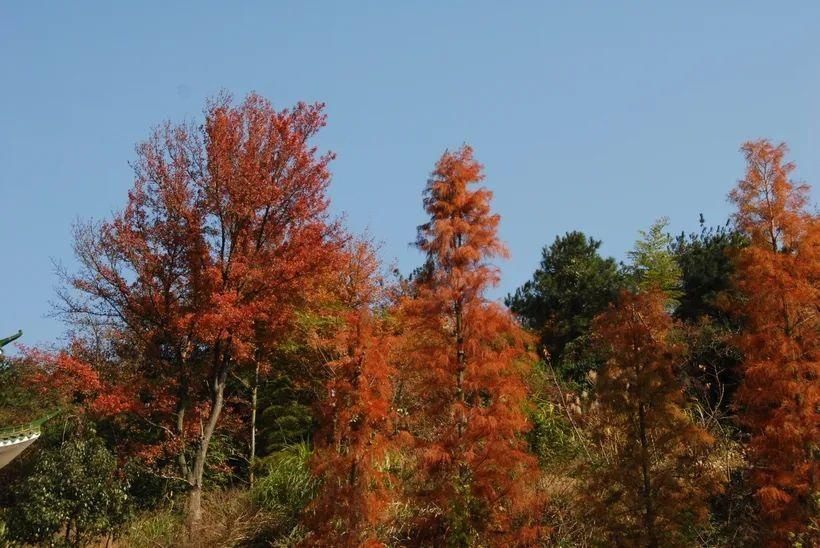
354	414
778	275
653	481
463	362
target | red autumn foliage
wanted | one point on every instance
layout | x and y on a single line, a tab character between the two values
354	414
778	276
462	359
226	244
69	381
225	230
62	376
653	480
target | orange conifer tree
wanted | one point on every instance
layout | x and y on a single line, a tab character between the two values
652	482
463	356
352	441
778	276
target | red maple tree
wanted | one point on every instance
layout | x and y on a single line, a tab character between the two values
462	360
225	229
778	276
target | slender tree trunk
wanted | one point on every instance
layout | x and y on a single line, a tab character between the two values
254	397
649	510
181	460
461	358
194	509
182	406
460	367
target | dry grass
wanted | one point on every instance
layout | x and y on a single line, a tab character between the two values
229	518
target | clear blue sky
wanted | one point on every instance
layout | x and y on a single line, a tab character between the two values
592	116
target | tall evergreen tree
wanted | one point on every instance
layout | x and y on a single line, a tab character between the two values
652	264
706	265
571	286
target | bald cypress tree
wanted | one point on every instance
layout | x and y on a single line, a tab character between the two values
650	485
778	278
464	359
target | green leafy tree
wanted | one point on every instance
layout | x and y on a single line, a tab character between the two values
570	287
70	494
705	260
286	417
652	263
18	402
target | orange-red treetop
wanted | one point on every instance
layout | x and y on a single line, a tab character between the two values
247	199
778	276
770	206
225	230
463	361
462	233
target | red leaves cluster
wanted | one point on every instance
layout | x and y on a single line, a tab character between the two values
778	276
68	380
61	374
225	227
225	231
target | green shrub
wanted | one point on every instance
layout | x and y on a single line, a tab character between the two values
70	492
551	437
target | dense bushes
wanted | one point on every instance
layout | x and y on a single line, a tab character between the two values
71	491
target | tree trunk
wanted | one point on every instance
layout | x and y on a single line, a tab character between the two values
649	510
461	366
461	358
194	509
254	394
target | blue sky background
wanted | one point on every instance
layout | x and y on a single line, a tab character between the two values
592	116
